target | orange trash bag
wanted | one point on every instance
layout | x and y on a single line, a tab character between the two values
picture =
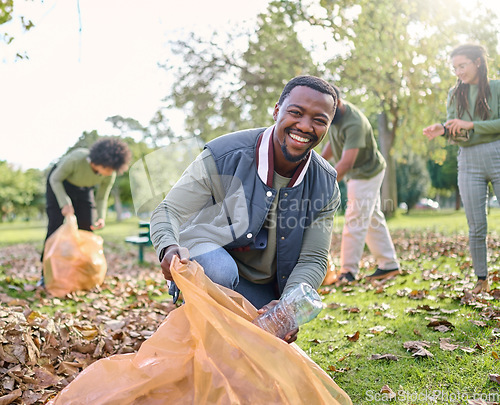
73	259
207	351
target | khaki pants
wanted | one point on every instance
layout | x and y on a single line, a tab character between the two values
365	222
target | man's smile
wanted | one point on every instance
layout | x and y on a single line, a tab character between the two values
299	138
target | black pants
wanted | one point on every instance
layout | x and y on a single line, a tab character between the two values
82	199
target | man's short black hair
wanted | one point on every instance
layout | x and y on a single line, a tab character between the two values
337	91
111	152
312	82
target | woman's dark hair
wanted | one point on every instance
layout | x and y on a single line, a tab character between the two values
312	82
461	90
111	152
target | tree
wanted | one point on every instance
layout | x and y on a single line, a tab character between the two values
444	176
225	88
21	193
395	63
6	16
412	179
158	130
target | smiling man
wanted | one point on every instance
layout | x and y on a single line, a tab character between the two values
256	207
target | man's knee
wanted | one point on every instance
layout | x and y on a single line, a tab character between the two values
220	267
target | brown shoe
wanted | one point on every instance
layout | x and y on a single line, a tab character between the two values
380	274
481	286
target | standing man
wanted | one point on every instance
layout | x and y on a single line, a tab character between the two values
353	148
256	207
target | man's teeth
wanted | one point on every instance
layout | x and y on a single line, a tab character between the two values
299	138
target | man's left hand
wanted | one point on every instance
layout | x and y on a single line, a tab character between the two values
291	336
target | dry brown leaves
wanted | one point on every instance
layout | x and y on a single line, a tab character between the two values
41	354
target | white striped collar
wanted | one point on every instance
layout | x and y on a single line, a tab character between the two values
265	160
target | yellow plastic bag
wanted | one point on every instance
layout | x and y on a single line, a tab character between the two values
73	259
206	352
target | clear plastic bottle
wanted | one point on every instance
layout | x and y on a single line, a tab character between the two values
297	307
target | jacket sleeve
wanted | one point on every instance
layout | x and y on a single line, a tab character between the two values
63	170
188	196
312	264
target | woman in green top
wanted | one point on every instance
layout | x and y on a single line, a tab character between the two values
473	112
70	184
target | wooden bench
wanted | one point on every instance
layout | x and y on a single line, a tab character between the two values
142	240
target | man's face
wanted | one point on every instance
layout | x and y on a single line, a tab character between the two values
302	121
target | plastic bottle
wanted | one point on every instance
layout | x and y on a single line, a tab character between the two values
297	307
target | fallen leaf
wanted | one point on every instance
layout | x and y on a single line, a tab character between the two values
377	329
354	337
9	398
414	345
392	357
440	325
387	390
345	357
444	344
479	323
495	378
422	353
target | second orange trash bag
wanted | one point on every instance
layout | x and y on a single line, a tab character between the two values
206	352
73	259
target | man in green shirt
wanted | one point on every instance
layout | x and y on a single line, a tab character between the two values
353	148
71	182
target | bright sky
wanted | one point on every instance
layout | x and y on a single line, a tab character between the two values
73	81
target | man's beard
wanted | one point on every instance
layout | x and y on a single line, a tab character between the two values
295	159
290	158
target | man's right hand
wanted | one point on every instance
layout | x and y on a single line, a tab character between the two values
67	210
170	252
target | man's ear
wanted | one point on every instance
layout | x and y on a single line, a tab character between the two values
276	111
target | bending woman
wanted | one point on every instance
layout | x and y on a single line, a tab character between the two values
473	112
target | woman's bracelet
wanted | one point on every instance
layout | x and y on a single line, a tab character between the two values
445	130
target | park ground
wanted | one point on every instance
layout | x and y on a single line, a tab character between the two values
420	338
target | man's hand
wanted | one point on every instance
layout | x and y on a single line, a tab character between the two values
67	210
170	252
98	225
291	336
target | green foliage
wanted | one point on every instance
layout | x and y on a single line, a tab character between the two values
6	16
6	8
225	89
21	193
444	176
157	130
412	179
390	58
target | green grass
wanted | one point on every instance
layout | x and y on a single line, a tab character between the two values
325	340
445	221
12	233
437	267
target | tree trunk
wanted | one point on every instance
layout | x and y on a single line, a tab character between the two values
389	191
457	199
118	204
